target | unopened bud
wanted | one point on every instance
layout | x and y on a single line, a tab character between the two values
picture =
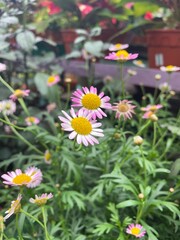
138	140
172	93
157	77
68	80
117	135
171	190
141	195
1	224
154	118
131	72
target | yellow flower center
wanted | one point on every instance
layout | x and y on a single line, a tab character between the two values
153	108
31	119
122	54
122	107
91	101
8	106
135	231
18	93
81	125
169	67
118	45
22	179
47	156
40	201
51	79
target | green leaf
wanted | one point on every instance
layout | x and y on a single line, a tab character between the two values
40	80
175	169
94	47
70	198
128	203
26	40
103	228
152	233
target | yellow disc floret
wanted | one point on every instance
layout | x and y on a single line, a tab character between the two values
91	101
22	179
51	79
135	231
122	54
122	107
18	93
81	125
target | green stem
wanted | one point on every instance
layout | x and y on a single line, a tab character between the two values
139	213
122	80
23	105
155	135
68	94
31	216
143	127
5	236
45	226
10	124
21	137
144	165
17	227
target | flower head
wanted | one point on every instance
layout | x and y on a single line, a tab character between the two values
2	67
124	108
51	7
82	127
42	199
8	107
150	115
136	230
118	46
91	102
31	178
121	55
32	120
138	140
152	108
169	68
15	207
52	80
139	63
18	93
148	16
129	5
85	9
47	157
165	87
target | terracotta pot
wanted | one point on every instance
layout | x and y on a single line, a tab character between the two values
163	47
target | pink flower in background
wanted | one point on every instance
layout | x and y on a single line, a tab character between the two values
31	178
18	93
82	127
15	207
148	16
152	108
169	68
121	55
150	115
32	120
2	67
124	108
42	199
91	102
52	80
51	7
85	9
129	5
136	230
118	46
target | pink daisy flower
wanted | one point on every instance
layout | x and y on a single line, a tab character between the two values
152	108
136	230
129	5
121	55
82	127
32	120
31	178
18	93
15	207
118	46
52	80
124	108
150	115
169	68
42	199
90	101
8	107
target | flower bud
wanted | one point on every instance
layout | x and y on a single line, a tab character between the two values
157	77
154	118
172	93
141	195
117	135
138	140
171	190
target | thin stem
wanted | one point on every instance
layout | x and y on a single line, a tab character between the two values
45	226
122	80
144	165
31	216
21	137
17	227
23	105
155	134
68	94
139	213
143	128
10	124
